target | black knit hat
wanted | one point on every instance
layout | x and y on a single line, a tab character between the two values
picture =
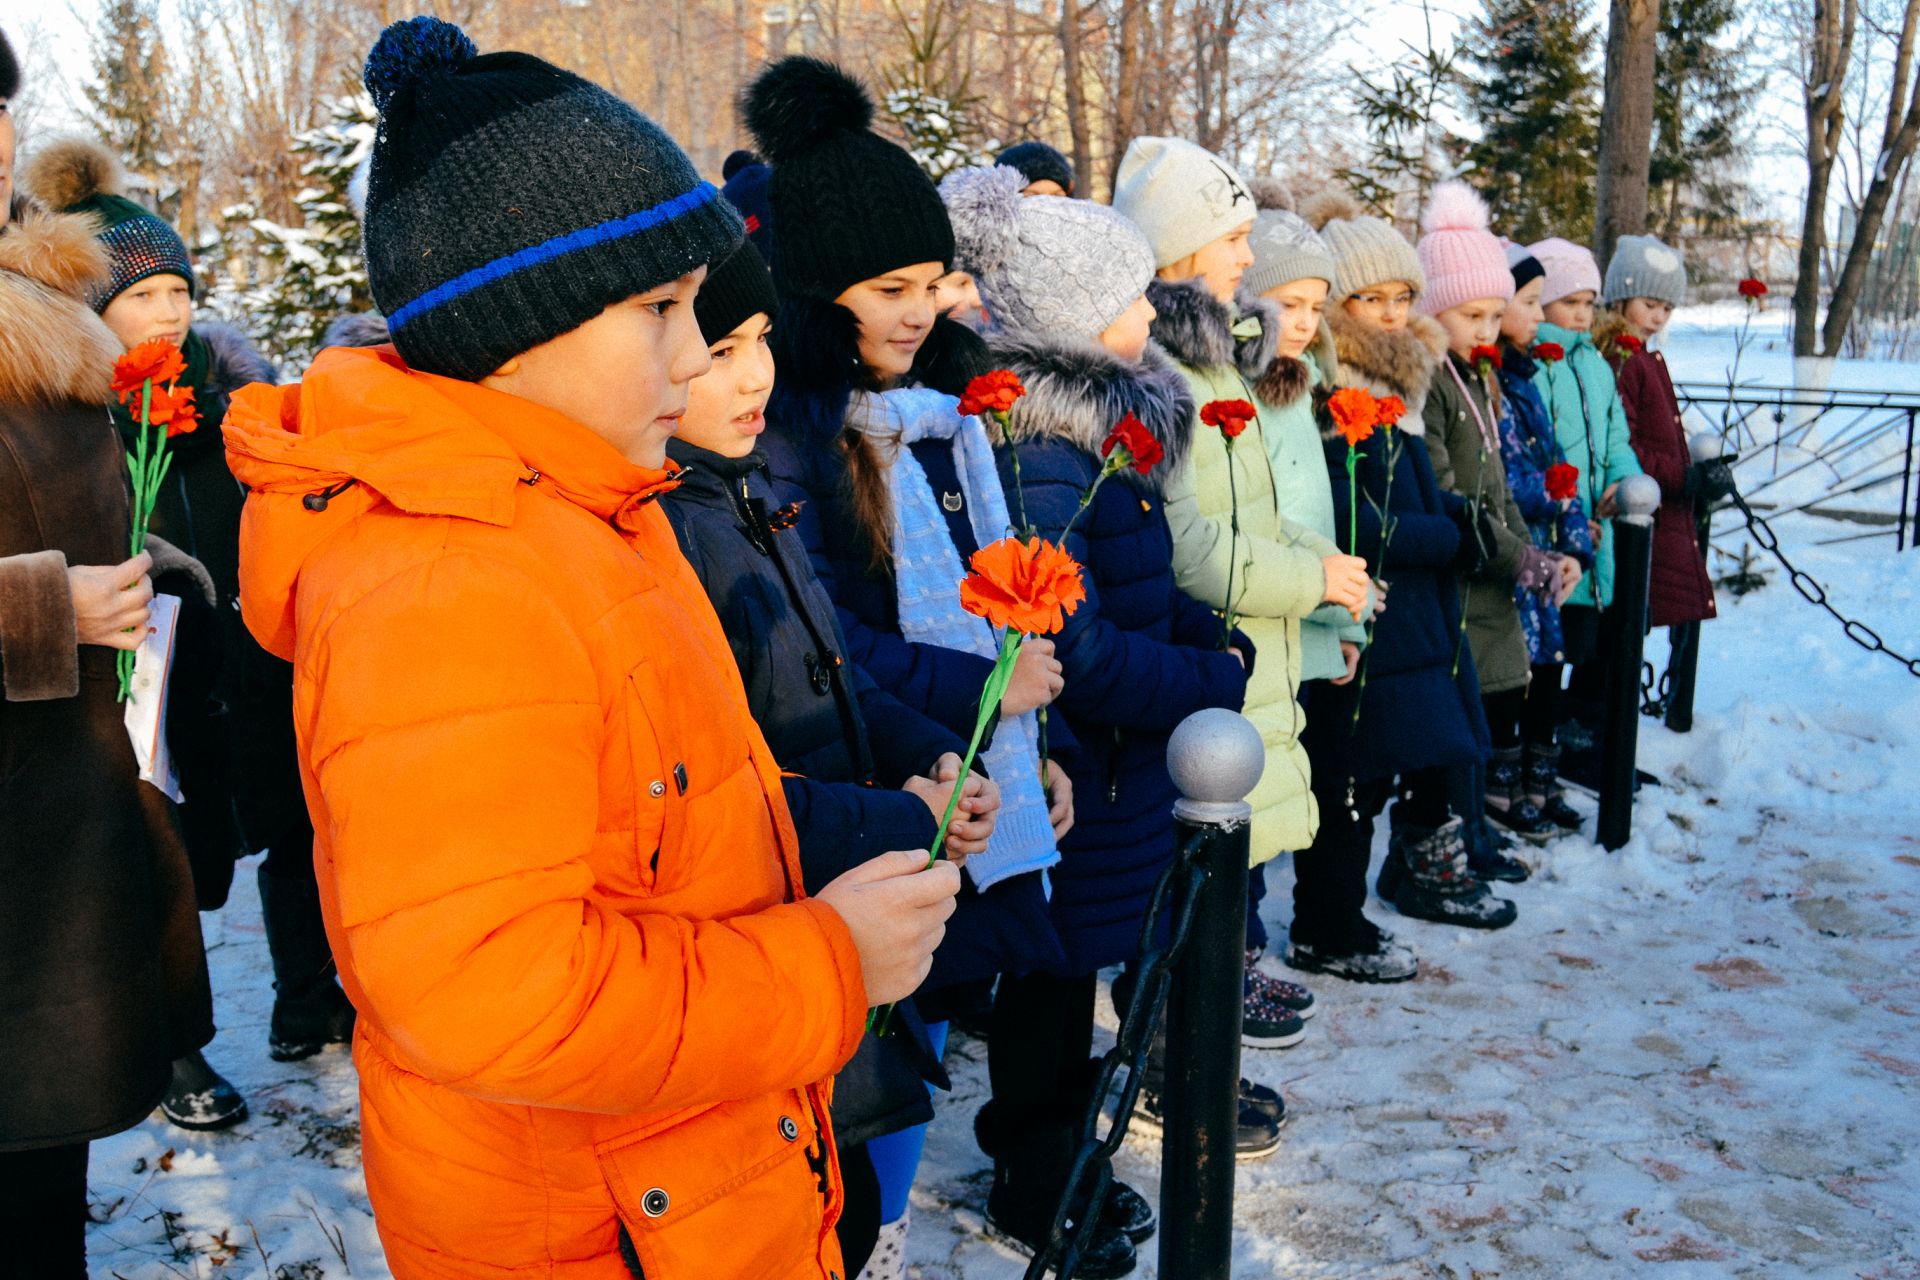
746	190
847	204
509	201
735	291
9	69
1039	162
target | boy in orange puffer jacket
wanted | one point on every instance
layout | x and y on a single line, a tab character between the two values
597	1007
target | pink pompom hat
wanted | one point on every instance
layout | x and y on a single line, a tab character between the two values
1462	258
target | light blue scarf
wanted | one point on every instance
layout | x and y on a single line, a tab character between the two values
927	571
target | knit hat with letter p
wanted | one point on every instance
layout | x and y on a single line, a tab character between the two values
1183	196
509	201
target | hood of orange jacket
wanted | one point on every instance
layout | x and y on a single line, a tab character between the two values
555	863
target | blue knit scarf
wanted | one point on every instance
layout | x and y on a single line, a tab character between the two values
927	573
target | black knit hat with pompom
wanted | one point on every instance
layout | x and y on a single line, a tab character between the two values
847	204
509	201
9	69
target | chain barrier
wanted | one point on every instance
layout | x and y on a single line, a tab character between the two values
1124	1065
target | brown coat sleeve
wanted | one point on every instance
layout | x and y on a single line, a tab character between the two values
39	644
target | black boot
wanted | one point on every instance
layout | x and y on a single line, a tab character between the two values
1507	802
309	1009
1544	791
1030	1167
200	1097
1439	887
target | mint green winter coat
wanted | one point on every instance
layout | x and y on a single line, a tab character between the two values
1284	394
1591	426
1274	562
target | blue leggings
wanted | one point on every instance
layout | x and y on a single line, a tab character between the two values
896	1157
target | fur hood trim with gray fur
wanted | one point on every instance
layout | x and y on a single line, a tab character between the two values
53	348
236	361
1196	328
1401	363
358	329
1078	390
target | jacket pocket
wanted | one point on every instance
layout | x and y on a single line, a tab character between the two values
655	784
735	1190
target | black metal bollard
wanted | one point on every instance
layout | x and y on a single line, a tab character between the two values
1216	757
1683	667
1639	497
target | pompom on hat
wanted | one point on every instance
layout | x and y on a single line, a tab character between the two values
1044	264
510	201
9	69
1367	251
77	175
847	204
1463	260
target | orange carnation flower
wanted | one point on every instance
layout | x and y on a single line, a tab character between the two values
1355	412
174	409
157	361
1028	586
1392	409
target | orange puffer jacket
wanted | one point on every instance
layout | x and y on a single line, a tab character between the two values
556	867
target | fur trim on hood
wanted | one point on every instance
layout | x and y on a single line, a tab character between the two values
1196	328
1608	328
358	329
236	361
53	347
1401	363
1287	379
1078	390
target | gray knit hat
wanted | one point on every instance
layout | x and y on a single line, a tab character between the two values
1285	249
1044	264
510	201
1643	267
1366	250
1183	196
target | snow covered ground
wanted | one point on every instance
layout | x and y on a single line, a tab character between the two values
1696	1057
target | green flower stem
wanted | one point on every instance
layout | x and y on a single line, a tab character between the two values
1233	545
140	468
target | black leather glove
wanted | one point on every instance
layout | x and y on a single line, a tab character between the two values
1710	481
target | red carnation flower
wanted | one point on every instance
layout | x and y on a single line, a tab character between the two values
1230	416
992	392
1549	353
1563	481
1485	355
1751	288
1630	343
1143	451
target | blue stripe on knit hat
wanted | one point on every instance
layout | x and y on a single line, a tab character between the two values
558	247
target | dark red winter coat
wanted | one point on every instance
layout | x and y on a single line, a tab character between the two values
1680	590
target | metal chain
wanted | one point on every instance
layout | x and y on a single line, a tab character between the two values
1811	590
1124	1065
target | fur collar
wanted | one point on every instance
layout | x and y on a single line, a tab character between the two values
1078	390
1287	379
1403	363
53	348
1196	328
236	361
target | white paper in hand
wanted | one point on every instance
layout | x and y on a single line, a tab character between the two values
146	712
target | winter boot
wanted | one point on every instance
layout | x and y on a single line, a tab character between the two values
1507	802
200	1097
1544	791
1291	994
1486	852
1256	1134
1031	1163
309	1009
1269	1019
1384	960
1439	887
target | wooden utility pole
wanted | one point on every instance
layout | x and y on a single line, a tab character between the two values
1626	124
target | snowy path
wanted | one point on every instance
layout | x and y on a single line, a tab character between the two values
1697	1057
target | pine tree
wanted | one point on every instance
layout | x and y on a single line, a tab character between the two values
126	97
312	273
939	135
1537	103
1701	90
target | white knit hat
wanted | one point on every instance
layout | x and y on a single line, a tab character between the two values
1044	264
1183	196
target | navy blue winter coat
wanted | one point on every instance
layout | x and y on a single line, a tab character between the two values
1007	928
820	714
1417	709
1140	655
1528	447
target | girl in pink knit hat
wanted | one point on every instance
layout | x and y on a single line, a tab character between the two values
1469	286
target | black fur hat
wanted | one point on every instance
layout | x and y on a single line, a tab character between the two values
9	69
847	204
